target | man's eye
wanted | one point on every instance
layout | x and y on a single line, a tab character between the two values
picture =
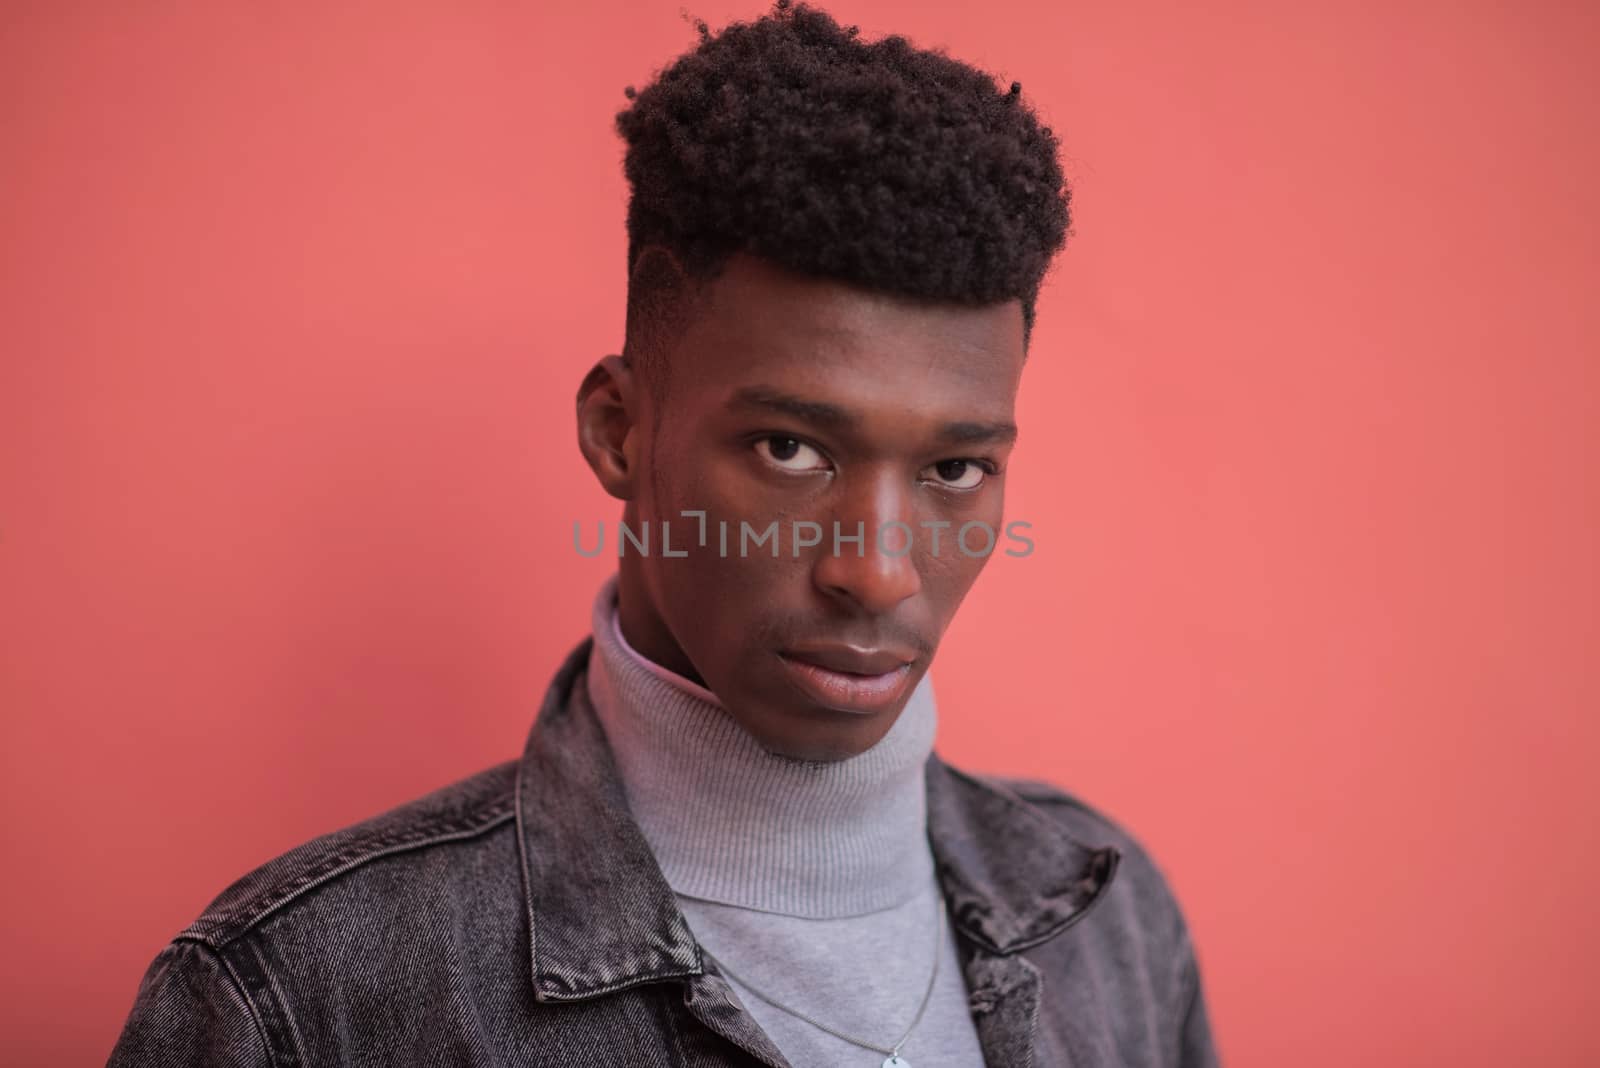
959	474
791	454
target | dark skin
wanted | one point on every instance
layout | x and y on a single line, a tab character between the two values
909	417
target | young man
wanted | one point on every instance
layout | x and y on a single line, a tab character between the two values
729	840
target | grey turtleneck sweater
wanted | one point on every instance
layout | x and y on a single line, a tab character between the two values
814	882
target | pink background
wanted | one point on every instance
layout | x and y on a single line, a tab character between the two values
295	301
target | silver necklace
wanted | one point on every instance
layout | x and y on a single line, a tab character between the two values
894	1060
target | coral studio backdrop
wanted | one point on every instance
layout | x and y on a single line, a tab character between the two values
296	297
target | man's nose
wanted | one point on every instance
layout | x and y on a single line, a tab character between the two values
871	564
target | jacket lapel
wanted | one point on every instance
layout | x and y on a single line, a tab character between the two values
601	915
1014	879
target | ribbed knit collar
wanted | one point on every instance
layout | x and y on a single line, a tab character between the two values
730	822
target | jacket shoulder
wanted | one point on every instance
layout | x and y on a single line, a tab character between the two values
1143	880
465	809
1086	822
1141	900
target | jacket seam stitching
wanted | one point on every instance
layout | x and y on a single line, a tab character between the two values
524	863
291	1028
668	1010
221	932
279	1054
1033	1011
225	966
1188	990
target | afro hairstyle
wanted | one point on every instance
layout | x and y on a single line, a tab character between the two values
892	168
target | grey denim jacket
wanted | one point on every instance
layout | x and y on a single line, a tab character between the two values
518	918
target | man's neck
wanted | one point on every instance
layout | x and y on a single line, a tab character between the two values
731	822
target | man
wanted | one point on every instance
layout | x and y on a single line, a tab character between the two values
729	840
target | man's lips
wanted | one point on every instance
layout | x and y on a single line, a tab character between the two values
849	678
851	659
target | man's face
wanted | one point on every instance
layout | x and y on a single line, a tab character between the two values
797	401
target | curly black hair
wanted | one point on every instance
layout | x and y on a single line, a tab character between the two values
886	166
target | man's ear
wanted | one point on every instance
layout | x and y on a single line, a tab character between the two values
608	413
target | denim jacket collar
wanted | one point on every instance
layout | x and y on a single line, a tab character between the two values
1012	877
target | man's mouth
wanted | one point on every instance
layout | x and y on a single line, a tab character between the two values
849	678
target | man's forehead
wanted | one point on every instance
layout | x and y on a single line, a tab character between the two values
762	303
846	351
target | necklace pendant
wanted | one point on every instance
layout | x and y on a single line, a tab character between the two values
896	1061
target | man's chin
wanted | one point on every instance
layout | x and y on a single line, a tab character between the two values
816	735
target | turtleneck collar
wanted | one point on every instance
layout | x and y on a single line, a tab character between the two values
733	823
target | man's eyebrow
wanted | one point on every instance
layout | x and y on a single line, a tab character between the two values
967	433
822	413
